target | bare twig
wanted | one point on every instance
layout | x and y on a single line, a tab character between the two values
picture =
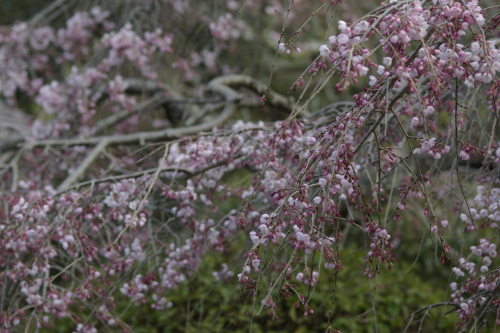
425	308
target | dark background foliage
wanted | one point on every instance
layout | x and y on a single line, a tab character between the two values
12	11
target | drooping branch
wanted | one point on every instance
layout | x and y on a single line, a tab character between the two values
221	85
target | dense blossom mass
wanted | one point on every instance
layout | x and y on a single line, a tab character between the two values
118	185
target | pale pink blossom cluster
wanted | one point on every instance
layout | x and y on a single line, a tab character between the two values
484	208
76	37
311	177
126	45
342	49
227	27
475	279
432	148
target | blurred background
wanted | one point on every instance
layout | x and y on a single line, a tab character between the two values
345	301
15	10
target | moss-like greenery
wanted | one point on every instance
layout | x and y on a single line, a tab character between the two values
348	302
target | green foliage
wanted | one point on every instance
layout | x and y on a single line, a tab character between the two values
348	302
14	10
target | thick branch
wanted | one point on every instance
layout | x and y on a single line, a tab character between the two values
83	166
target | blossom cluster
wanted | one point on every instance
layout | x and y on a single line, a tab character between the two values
477	279
149	213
